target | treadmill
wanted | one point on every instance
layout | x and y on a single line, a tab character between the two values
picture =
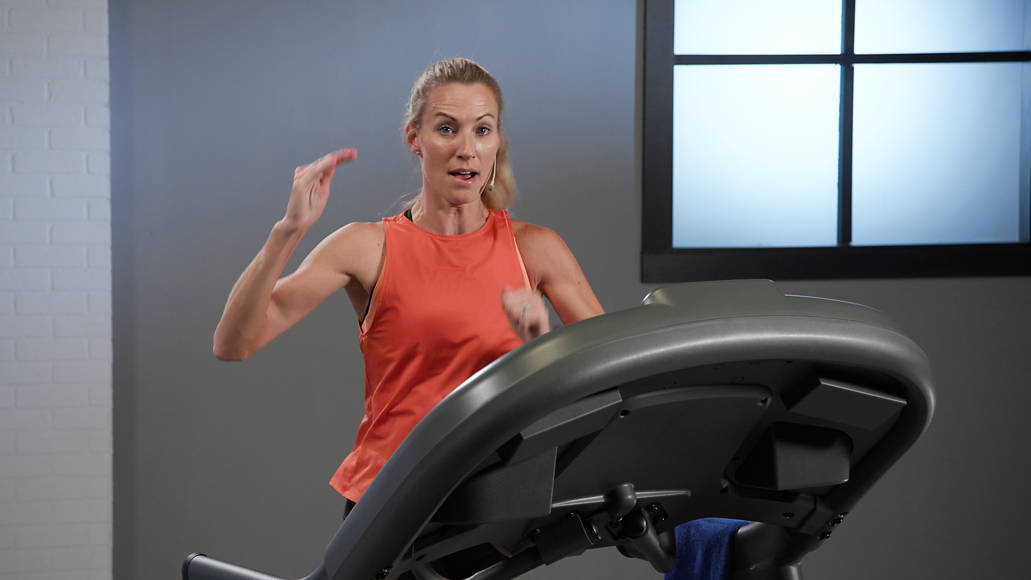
710	399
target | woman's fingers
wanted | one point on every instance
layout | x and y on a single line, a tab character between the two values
329	161
335	158
348	154
310	189
527	314
322	169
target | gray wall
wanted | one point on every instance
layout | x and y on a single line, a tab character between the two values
214	103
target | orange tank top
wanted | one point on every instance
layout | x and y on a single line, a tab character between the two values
434	319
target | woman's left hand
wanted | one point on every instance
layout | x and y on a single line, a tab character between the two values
526	312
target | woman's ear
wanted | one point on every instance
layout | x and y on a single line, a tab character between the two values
412	138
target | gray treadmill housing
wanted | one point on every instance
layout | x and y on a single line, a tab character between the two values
725	399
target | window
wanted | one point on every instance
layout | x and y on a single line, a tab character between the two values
822	139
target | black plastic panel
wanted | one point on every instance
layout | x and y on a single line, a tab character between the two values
582	418
847	404
519	490
797	457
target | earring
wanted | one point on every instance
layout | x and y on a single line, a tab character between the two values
417	151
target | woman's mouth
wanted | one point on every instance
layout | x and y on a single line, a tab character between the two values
463	175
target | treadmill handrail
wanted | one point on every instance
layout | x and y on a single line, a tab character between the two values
584	358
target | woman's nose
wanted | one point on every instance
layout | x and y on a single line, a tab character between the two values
466	147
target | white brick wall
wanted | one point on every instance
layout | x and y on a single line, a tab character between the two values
55	291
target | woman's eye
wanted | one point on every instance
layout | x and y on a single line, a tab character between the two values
446	130
483	130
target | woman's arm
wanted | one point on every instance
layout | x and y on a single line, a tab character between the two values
553	272
261	306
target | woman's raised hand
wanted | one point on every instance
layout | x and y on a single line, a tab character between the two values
310	190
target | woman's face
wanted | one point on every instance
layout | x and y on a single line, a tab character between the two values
458	141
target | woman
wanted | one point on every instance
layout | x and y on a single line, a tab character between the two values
440	291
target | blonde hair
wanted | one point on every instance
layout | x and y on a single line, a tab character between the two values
465	71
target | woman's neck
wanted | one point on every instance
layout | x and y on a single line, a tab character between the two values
447	219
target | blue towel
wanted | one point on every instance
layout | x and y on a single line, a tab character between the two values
703	549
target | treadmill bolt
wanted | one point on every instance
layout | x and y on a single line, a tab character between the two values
382	574
825	535
656	512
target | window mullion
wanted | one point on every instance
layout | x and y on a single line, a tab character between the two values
848	45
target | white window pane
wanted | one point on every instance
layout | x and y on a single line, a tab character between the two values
936	153
907	26
756	27
755	156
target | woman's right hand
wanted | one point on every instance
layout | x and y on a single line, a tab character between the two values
310	190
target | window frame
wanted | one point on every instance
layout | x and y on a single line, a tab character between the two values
661	262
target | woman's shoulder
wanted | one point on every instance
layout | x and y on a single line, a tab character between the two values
358	231
534	237
355	249
544	252
355	237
